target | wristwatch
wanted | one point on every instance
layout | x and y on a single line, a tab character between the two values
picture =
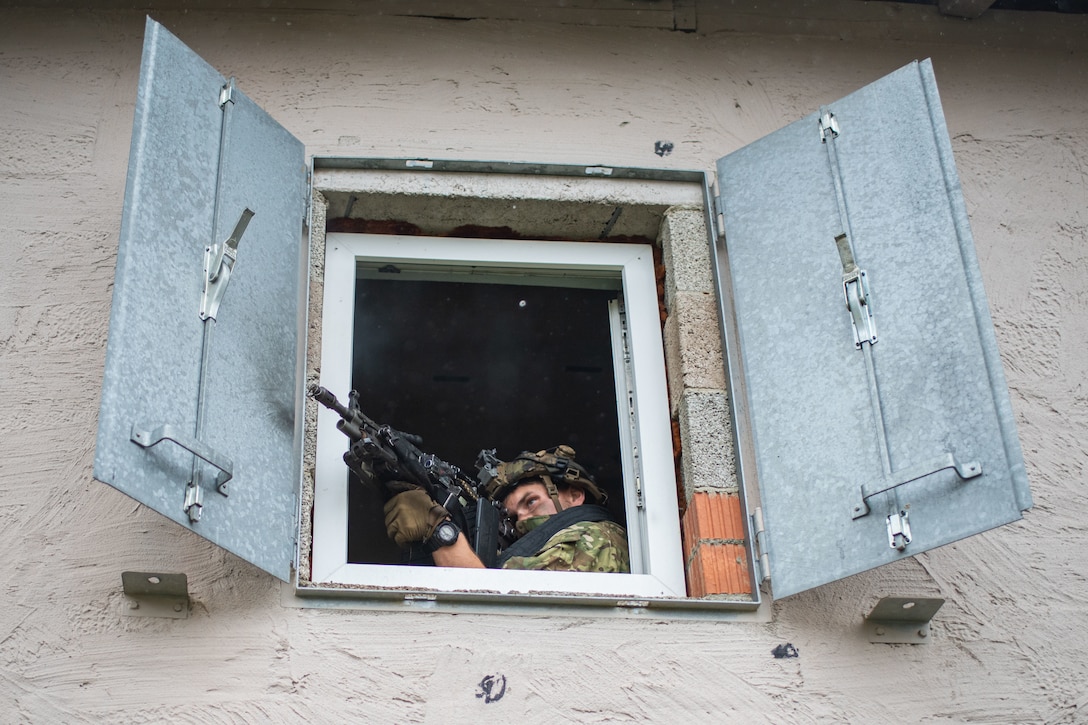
444	535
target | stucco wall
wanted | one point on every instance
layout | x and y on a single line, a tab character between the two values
1009	644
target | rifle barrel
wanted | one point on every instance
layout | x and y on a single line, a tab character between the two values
326	398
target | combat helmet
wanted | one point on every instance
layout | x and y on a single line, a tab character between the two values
552	466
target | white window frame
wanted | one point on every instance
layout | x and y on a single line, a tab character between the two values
653	529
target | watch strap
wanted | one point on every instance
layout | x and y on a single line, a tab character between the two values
435	542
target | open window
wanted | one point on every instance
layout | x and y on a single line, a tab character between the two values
497	341
867	396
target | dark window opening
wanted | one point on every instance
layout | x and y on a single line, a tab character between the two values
470	365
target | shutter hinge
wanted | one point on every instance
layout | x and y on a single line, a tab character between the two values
717	212
828	127
759	547
307	197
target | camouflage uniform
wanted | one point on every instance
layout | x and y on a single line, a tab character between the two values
584	546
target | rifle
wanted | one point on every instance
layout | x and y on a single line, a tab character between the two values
393	455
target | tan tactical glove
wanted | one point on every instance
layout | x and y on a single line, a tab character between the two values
412	516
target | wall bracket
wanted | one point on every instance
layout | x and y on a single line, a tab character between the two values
149	594
901	620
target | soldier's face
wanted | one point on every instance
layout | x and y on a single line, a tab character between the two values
532	499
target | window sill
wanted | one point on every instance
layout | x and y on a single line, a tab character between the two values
444	580
551	603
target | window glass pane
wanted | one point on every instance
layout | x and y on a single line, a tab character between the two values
470	366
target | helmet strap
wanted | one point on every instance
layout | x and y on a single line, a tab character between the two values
553	491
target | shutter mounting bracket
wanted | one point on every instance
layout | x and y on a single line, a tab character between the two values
149	594
901	620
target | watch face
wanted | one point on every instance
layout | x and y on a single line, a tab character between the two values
446	533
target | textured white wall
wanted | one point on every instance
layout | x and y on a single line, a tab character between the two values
1009	644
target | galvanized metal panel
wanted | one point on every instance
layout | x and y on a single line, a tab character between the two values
825	416
251	368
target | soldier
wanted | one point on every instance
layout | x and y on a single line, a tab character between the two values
557	507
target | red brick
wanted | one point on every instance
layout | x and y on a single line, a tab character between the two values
718	569
714	515
709	527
